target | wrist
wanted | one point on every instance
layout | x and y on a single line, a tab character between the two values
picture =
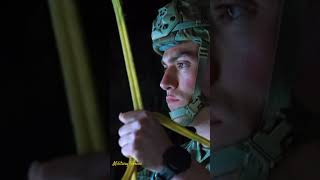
175	161
161	165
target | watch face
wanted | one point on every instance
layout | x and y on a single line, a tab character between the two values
177	159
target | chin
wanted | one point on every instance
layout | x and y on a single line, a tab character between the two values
170	108
175	106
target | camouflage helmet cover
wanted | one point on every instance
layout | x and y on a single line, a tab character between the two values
176	22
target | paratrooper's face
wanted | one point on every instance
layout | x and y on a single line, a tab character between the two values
243	50
180	74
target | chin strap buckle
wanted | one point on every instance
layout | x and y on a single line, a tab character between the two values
272	144
194	107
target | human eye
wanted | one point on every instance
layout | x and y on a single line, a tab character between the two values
234	12
183	65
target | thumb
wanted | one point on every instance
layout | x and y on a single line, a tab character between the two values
34	172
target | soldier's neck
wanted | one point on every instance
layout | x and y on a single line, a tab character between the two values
202	123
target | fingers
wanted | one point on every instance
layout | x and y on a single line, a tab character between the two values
133	116
125	119
126	139
135	133
129	128
128	150
35	172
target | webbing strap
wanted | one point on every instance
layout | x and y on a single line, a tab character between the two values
189	24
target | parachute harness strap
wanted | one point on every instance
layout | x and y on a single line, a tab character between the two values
135	91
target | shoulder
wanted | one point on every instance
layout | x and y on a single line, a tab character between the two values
145	174
303	162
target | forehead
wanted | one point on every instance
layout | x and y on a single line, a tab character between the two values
259	3
188	48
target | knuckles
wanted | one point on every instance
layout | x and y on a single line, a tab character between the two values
124	152
145	113
132	147
145	118
138	131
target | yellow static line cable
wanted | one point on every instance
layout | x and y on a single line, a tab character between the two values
82	100
168	123
132	77
135	91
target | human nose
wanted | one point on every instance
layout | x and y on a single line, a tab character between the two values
169	80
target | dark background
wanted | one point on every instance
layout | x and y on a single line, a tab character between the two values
35	121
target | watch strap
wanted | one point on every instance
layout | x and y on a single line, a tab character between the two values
176	159
166	173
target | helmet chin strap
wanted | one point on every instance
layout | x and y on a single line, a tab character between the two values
185	115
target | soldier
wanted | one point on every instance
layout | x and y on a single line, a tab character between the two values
180	34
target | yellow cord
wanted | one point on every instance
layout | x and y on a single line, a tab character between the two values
132	77
82	100
135	91
168	123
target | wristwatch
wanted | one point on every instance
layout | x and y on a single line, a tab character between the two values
175	160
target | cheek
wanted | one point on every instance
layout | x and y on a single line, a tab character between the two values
204	79
259	69
245	76
189	83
